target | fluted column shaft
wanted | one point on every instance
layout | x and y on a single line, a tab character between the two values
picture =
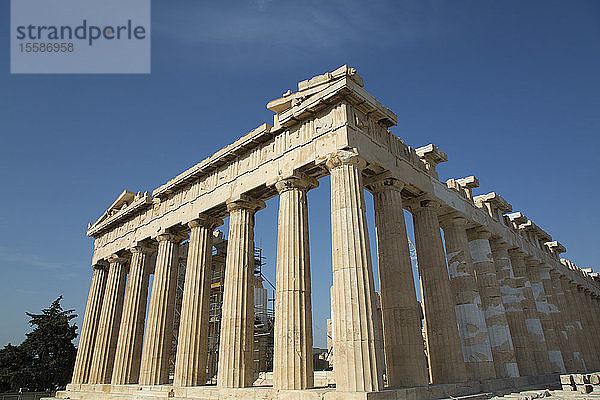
588	328
154	368
537	273
110	321
594	326
503	350
446	363
567	321
475	341
131	334
595	317
513	298
402	338
292	353
578	320
582	345
192	342
533	321
556	316
357	360
87	337
237	316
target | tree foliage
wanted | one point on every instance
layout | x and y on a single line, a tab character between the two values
45	359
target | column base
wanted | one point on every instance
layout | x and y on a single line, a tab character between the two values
467	390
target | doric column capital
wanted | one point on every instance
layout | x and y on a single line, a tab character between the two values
564	278
381	182
145	248
344	157
296	180
205	221
554	272
117	259
245	202
478	233
100	264
169	236
423	204
529	259
516	251
448	220
499	244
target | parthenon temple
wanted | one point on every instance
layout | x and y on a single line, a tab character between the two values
498	308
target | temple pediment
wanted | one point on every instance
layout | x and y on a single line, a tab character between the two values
124	203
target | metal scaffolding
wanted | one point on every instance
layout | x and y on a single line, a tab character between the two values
264	316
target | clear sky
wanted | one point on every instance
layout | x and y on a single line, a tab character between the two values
510	90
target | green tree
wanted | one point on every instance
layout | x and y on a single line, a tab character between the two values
13	373
45	359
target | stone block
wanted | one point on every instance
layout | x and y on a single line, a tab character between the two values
335	395
580	379
585	389
299	395
566	379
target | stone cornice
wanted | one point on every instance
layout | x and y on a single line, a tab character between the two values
539	232
228	153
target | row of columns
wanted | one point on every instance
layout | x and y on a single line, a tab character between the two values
489	311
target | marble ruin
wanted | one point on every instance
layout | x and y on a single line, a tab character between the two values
500	308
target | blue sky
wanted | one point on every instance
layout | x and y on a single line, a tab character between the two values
510	90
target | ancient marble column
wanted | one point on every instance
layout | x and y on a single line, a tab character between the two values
582	345
503	350
556	316
588	329
533	323
512	292
192	342
355	347
87	337
402	338
154	369
446	362
513	299
110	321
131	334
574	306
567	321
537	271
592	312
292	353
477	351
237	315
